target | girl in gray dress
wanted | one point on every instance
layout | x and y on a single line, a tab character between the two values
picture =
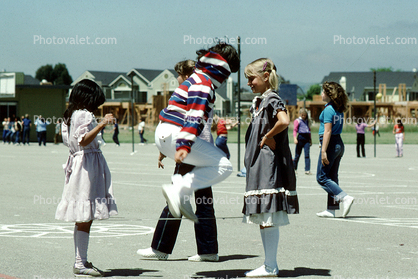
271	183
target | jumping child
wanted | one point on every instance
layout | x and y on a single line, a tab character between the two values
271	182
182	121
88	191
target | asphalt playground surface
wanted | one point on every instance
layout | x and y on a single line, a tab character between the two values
377	240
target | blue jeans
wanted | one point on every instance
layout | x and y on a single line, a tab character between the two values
17	135
327	176
221	144
5	132
26	134
304	142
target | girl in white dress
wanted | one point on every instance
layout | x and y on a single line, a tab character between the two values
88	192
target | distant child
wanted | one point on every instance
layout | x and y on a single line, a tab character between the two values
303	140
57	132
361	139
5	129
270	193
221	126
116	133
141	130
399	132
88	191
41	124
332	148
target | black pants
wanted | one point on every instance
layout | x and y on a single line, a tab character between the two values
115	138
166	231
41	138
360	143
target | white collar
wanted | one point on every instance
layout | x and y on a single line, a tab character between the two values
265	94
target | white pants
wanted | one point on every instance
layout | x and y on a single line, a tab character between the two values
399	144
211	164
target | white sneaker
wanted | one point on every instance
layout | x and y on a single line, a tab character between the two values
347	202
152	254
263	271
173	200
204	258
326	214
178	204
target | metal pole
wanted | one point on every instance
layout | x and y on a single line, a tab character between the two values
239	105
374	92
132	113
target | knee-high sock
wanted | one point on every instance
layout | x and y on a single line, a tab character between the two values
272	243
75	239
82	243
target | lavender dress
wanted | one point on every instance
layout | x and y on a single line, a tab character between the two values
88	192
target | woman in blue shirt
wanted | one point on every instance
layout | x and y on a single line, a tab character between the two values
332	148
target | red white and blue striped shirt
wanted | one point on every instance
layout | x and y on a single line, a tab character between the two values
191	103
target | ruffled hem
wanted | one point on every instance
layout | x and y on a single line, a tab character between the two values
279	218
270	201
74	211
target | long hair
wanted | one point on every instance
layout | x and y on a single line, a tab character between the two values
259	67
228	52
337	95
86	94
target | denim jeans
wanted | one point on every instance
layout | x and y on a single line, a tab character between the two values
26	134
221	144
327	176
304	143
166	231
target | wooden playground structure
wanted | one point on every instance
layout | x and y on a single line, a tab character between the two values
386	106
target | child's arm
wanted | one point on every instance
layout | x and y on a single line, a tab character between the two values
295	130
325	142
89	137
281	124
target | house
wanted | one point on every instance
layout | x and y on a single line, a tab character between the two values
22	94
360	85
151	89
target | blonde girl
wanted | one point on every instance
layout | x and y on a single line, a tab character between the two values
271	183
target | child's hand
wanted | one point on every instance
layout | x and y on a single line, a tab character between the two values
324	158
108	119
269	142
180	155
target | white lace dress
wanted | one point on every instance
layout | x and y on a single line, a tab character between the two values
88	192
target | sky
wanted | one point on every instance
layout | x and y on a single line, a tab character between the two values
305	39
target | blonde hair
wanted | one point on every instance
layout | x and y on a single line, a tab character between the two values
259	67
337	95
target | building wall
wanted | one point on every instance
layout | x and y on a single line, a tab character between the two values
48	102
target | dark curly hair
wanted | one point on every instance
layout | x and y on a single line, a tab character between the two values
86	94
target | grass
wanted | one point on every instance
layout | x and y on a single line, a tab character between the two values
348	135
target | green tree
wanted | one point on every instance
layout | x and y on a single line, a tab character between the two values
45	72
61	75
382	69
315	89
58	74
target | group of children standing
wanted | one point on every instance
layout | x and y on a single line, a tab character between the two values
184	136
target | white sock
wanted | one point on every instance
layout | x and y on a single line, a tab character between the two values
82	243
263	239
272	243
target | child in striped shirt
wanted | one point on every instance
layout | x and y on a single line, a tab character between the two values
182	121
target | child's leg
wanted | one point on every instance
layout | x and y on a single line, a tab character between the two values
81	241
271	235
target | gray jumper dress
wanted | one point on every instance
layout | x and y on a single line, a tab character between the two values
271	182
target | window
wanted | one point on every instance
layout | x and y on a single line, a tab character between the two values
142	97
